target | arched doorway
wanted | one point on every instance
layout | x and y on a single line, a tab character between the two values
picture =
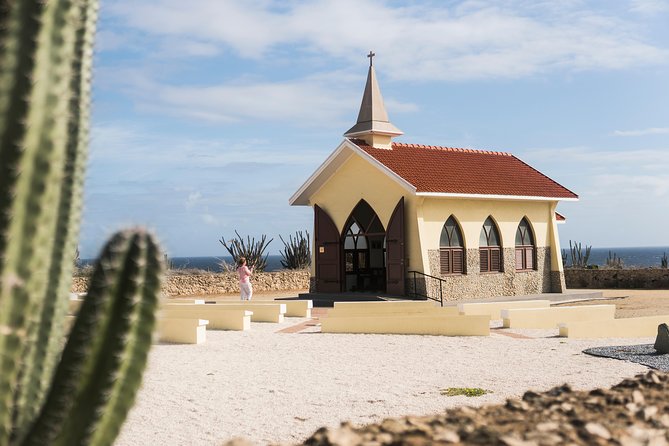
364	243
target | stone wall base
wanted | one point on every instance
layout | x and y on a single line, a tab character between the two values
475	284
220	283
648	278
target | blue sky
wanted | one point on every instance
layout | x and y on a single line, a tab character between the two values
209	114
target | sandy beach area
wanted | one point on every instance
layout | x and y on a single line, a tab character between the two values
271	386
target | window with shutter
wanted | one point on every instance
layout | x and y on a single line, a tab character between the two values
490	248
451	249
525	248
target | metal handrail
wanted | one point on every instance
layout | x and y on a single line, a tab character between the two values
415	288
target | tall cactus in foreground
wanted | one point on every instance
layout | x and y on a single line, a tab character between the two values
79	395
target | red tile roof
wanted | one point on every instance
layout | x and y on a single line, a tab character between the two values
465	171
560	217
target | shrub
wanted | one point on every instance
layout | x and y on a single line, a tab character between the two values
465	391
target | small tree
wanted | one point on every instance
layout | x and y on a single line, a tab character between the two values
297	252
251	249
664	262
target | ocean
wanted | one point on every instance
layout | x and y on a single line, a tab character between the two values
213	264
642	257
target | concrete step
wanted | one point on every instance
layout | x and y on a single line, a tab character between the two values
328	299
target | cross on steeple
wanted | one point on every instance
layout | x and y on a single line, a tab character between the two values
373	125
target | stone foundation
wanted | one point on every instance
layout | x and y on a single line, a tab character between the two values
474	284
220	283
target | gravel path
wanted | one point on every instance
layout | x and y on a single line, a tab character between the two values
277	387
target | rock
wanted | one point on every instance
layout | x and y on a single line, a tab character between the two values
447	436
633	413
597	430
662	340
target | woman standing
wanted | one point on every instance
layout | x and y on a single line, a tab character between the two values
244	282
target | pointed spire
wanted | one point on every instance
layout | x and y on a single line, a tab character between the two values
373	125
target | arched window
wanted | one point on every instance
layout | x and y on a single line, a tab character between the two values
489	247
451	249
525	248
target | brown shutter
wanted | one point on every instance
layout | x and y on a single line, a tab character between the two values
485	264
445	260
328	253
519	259
529	258
457	259
495	263
395	251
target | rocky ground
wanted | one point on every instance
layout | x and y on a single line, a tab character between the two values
634	412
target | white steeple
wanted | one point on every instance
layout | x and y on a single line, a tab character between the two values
373	125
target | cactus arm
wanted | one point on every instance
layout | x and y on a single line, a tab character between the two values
112	327
49	331
28	225
135	355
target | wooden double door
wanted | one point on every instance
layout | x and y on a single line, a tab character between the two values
364	257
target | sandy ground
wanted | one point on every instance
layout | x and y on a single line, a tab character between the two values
634	303
279	387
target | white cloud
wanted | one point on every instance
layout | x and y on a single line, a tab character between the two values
193	199
481	39
305	102
649	6
632	185
626	159
649	131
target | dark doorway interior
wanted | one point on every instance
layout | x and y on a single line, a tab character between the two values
364	241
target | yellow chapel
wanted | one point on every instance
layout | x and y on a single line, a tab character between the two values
429	221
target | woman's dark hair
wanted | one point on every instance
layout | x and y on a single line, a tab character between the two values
241	261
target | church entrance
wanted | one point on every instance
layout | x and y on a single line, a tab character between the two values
365	257
364	242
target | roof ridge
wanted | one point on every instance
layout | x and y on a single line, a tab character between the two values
450	149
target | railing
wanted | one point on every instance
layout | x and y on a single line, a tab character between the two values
416	294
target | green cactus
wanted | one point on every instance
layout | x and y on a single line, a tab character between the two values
613	261
296	253
250	249
49	395
578	259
